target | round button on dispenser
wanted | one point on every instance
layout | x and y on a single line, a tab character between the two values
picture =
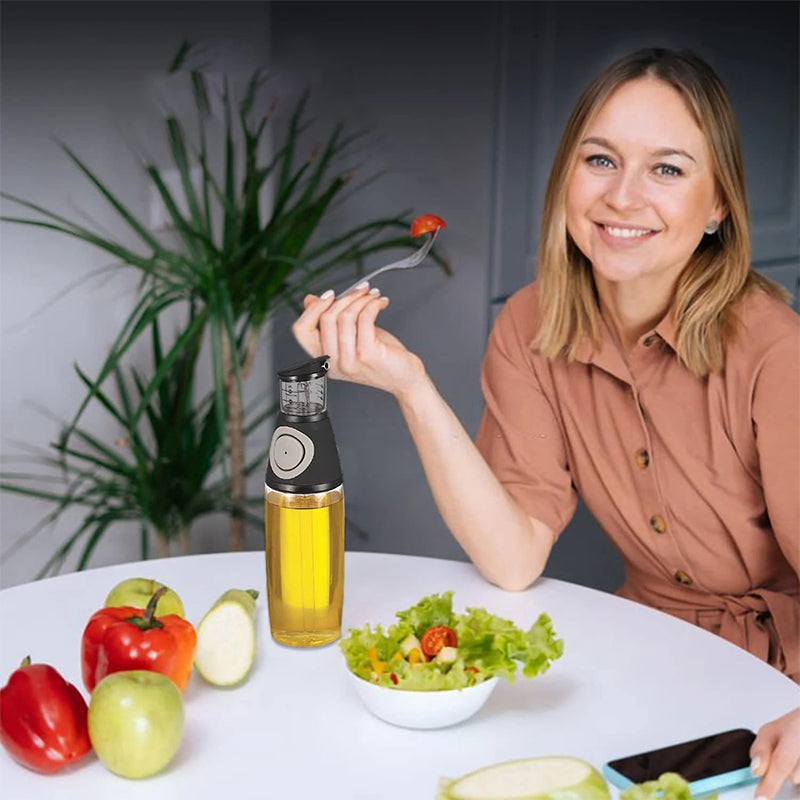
288	451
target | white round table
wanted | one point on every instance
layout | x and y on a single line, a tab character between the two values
631	678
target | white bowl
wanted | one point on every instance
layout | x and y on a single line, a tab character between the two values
413	709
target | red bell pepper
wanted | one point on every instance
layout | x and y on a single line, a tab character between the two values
126	638
43	719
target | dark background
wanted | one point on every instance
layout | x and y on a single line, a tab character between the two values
464	103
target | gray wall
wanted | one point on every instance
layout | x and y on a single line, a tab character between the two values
422	79
92	74
464	102
752	46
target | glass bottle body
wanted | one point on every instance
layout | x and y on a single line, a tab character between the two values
304	540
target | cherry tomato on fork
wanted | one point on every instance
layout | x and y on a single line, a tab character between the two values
427	223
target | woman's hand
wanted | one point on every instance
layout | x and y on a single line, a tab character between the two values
344	329
776	754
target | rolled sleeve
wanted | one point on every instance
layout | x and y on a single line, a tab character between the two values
519	435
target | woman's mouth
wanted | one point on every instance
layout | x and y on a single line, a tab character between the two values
625	236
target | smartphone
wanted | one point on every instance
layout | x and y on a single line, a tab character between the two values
711	763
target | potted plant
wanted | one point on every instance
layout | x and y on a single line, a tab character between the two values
161	472
231	258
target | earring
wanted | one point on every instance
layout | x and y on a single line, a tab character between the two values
712	227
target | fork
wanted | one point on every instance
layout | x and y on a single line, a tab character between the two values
409	262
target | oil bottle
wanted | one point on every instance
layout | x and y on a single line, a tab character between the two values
304	513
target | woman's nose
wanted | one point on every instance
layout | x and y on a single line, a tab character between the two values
624	191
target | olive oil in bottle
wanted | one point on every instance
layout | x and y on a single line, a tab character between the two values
305	565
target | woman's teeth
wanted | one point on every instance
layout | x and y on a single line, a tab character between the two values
626	233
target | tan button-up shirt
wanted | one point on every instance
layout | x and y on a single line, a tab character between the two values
695	480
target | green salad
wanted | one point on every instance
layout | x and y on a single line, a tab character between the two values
669	786
432	648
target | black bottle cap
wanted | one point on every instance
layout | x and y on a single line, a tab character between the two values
316	368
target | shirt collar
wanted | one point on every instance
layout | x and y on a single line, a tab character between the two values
609	358
666	329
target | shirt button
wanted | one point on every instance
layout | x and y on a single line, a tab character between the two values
682	578
650	340
657	523
642	458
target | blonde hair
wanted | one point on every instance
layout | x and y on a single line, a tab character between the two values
719	271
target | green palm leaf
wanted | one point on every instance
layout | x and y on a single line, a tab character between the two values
231	264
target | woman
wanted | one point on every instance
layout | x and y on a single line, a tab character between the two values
648	368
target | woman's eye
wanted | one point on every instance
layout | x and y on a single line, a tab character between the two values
600	161
669	171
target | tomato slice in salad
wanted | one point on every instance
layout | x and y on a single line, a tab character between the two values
427	223
434	639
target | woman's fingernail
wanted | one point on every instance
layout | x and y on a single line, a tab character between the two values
385	300
755	764
362	285
374	291
327	294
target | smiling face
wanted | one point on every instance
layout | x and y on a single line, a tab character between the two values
642	189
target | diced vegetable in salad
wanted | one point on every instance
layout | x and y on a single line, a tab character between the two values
432	648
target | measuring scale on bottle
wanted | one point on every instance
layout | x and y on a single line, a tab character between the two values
304	513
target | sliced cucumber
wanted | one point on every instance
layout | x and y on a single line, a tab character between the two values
410	643
447	655
226	638
546	778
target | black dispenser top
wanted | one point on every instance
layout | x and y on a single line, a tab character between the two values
303	458
303	388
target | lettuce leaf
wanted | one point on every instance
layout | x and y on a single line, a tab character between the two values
430	611
496	645
493	645
669	786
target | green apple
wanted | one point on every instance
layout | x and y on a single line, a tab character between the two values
136	722
137	592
